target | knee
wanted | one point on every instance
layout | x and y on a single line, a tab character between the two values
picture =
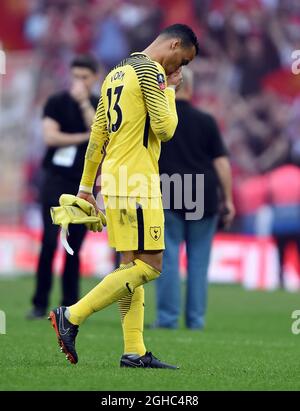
127	257
157	263
154	274
157	267
148	272
153	259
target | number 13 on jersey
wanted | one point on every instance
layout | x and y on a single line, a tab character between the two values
114	110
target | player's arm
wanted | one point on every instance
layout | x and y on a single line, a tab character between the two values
160	105
95	151
223	170
53	137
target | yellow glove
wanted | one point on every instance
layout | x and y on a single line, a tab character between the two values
75	210
92	221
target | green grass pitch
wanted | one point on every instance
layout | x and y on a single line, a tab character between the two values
247	345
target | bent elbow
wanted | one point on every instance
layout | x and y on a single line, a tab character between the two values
165	137
49	140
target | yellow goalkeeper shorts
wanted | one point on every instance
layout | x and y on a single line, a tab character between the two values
135	224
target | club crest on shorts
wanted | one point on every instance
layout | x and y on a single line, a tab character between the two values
155	232
161	81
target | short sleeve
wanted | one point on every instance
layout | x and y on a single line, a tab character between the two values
216	147
51	109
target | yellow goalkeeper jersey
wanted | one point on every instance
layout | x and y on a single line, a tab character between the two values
136	111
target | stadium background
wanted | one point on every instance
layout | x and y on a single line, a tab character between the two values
243	77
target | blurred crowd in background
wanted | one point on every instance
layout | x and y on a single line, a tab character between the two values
243	77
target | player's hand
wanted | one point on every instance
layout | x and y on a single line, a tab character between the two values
90	198
79	92
175	79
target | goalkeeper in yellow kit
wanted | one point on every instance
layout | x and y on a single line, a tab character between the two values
136	112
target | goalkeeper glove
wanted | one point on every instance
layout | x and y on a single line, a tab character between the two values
75	210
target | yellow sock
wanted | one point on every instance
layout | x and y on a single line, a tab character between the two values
113	287
132	315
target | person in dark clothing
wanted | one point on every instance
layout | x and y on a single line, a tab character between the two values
67	118
196	148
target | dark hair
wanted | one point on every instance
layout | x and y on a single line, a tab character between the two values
85	61
184	32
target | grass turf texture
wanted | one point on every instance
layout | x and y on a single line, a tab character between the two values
247	345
